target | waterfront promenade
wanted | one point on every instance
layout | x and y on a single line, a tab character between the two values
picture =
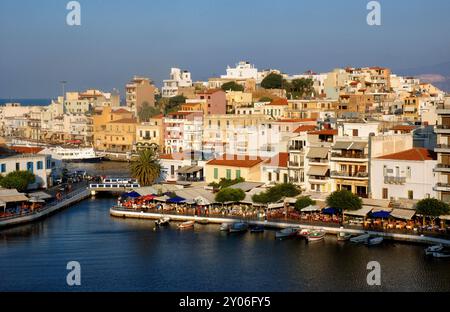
331	228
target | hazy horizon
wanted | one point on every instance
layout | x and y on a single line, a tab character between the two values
118	39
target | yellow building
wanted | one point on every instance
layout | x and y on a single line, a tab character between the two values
114	131
234	167
236	99
150	133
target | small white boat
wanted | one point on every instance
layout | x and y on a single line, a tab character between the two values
303	233
442	254
432	249
374	241
225	227
186	225
360	239
285	233
342	236
163	221
316	236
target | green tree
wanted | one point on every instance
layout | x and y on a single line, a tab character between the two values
304	202
146	112
230	195
174	104
432	208
272	81
18	180
276	193
344	201
298	88
224	183
265	99
233	86
146	169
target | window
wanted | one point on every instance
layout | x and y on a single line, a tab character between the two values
238	174
216	173
410	195
385	193
229	174
17	166
40	165
408	172
270	176
3	168
30	166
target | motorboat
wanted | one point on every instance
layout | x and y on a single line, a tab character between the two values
73	154
257	229
373	241
286	233
303	233
442	254
238	227
203	221
432	249
186	225
316	236
360	239
225	227
342	236
163	221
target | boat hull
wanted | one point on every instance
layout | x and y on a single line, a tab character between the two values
186	225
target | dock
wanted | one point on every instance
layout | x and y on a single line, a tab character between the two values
420	239
49	209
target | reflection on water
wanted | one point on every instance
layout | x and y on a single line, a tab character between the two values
128	255
104	168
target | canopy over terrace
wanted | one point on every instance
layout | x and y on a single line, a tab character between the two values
198	196
247	186
40	195
362	213
158	189
404	214
311	208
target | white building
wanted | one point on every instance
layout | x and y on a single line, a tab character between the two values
178	79
243	70
405	175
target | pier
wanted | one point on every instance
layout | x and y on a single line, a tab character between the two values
122	213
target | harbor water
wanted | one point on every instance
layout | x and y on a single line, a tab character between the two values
129	255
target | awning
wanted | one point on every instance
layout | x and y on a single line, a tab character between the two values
2	203
40	195
189	169
162	198
364	211
318	152
13	198
276	206
176	200
311	208
405	214
358	146
446	218
131	195
318	171
329	211
342	145
381	214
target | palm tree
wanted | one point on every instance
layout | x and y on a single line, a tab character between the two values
146	169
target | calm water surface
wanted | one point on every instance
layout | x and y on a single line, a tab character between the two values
127	255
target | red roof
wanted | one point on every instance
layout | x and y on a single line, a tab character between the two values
26	149
415	154
281	102
125	120
121	111
297	120
325	132
236	161
174	156
305	128
404	128
280	160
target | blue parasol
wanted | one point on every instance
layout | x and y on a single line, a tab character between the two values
329	211
381	214
132	195
176	200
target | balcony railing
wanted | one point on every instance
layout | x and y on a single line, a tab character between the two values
352	156
318	161
394	180
442	166
358	175
295	164
442	146
295	148
443	127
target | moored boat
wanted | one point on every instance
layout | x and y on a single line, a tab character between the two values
73	154
303	233
186	225
342	236
315	236
225	227
163	221
442	254
360	239
203	221
286	233
257	229
432	249
238	227
373	241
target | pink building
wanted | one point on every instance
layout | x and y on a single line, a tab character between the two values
216	101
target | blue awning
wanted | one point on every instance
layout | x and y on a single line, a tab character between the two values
381	214
329	211
132	195
176	200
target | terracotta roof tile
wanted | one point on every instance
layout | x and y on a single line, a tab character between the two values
305	128
415	154
325	132
236	161
280	160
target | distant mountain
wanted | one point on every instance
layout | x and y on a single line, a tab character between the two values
438	75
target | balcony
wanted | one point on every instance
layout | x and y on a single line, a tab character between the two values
395	180
442	168
442	187
296	148
442	129
294	164
443	109
318	162
442	148
318	179
349	175
349	157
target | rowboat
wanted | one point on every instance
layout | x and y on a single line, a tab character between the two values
163	221
342	236
442	254
186	225
374	241
203	221
360	239
316	236
257	229
432	249
238	227
225	227
286	233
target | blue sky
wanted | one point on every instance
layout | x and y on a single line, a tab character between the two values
120	38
